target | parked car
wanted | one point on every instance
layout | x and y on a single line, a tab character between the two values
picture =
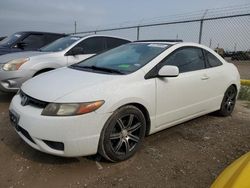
19	67
236	175
27	41
109	102
240	56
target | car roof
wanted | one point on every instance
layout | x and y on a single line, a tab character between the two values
95	35
41	32
161	40
166	41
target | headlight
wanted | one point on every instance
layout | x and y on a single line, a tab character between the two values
14	64
71	109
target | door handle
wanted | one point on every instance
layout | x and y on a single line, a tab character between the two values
204	78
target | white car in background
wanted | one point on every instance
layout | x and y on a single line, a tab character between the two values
16	68
109	102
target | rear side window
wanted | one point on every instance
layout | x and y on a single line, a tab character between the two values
93	45
51	37
33	41
186	59
212	60
114	42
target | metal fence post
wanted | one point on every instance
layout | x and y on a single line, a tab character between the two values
75	26
200	34
201	25
138	33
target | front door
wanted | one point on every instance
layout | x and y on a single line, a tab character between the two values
181	97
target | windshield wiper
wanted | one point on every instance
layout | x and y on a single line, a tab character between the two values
98	69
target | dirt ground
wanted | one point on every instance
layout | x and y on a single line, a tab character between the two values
191	154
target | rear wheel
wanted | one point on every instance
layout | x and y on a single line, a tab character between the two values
122	134
228	102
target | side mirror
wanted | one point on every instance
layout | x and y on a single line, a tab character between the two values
21	45
168	71
76	51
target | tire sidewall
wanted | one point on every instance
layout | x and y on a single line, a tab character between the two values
105	143
223	111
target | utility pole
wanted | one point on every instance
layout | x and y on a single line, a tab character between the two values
138	33
210	43
235	47
177	36
75	27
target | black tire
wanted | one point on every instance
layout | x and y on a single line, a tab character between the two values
122	134
228	102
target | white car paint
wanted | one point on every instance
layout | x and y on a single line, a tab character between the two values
169	101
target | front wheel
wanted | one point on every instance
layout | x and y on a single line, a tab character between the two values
228	102
122	134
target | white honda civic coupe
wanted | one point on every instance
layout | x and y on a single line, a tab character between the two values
110	102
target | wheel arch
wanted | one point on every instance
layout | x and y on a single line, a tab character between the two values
145	112
237	89
235	86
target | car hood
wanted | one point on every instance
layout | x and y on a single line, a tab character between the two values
54	85
8	57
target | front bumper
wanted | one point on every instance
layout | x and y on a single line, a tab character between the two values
11	81
78	134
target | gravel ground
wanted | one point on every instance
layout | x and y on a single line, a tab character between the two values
191	154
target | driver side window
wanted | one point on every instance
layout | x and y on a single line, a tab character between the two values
33	42
186	59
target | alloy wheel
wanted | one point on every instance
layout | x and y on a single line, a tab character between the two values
125	134
229	100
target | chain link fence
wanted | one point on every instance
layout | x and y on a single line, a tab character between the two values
226	30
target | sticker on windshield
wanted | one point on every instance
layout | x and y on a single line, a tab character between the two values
158	45
17	35
124	66
74	38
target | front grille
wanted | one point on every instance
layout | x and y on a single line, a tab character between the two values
27	100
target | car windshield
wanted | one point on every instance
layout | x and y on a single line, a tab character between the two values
124	59
60	44
11	39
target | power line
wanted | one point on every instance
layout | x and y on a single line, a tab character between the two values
194	15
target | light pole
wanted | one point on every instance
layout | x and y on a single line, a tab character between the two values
75	27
